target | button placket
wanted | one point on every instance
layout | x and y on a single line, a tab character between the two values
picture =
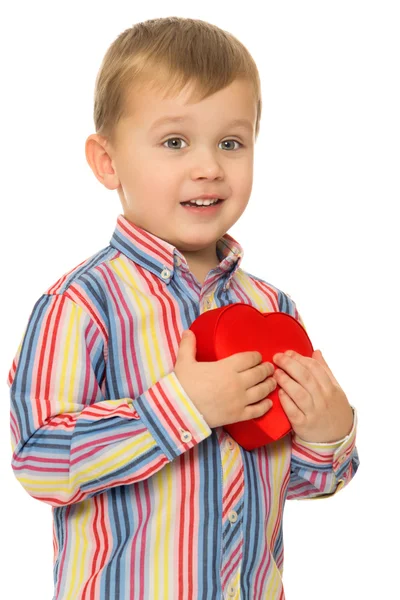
232	496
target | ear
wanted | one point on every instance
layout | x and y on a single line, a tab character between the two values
99	159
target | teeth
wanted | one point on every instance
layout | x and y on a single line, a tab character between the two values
201	202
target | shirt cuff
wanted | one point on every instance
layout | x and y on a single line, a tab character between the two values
335	452
171	417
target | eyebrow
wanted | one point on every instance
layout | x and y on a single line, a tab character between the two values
171	119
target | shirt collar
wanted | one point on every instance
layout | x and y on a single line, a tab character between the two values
161	257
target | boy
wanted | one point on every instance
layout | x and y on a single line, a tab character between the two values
114	422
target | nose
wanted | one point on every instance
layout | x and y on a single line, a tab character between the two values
206	165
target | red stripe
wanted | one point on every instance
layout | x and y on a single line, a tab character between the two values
164	406
192	510
227	572
263	458
88	369
312	456
229	502
138	506
57	308
119	301
102	548
39	469
144	537
41	459
269	292
181	531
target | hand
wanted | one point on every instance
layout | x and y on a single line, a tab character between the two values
312	399
225	391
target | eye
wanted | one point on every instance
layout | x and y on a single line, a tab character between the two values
226	141
172	139
178	138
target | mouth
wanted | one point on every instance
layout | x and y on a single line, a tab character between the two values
202	207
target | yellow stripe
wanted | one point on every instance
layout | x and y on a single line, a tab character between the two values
277	459
74	357
235	583
168	532
251	290
275	580
65	347
158	483
194	414
229	462
80	550
74	553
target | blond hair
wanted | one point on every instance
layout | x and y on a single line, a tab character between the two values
166	54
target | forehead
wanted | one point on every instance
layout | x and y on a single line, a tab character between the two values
234	105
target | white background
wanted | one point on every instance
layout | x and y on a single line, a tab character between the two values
322	224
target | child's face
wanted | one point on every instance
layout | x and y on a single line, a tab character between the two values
153	177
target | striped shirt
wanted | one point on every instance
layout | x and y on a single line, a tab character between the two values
148	502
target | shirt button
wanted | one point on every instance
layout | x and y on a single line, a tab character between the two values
165	273
233	516
177	261
208	303
186	436
230	444
231	591
342	459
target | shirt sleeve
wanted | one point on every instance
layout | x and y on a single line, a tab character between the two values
320	470
68	441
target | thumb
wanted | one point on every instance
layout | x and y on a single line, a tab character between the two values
188	334
189	338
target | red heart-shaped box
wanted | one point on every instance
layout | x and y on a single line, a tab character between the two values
239	327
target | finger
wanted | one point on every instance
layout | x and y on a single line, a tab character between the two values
245	360
307	371
257	374
297	369
300	396
292	411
